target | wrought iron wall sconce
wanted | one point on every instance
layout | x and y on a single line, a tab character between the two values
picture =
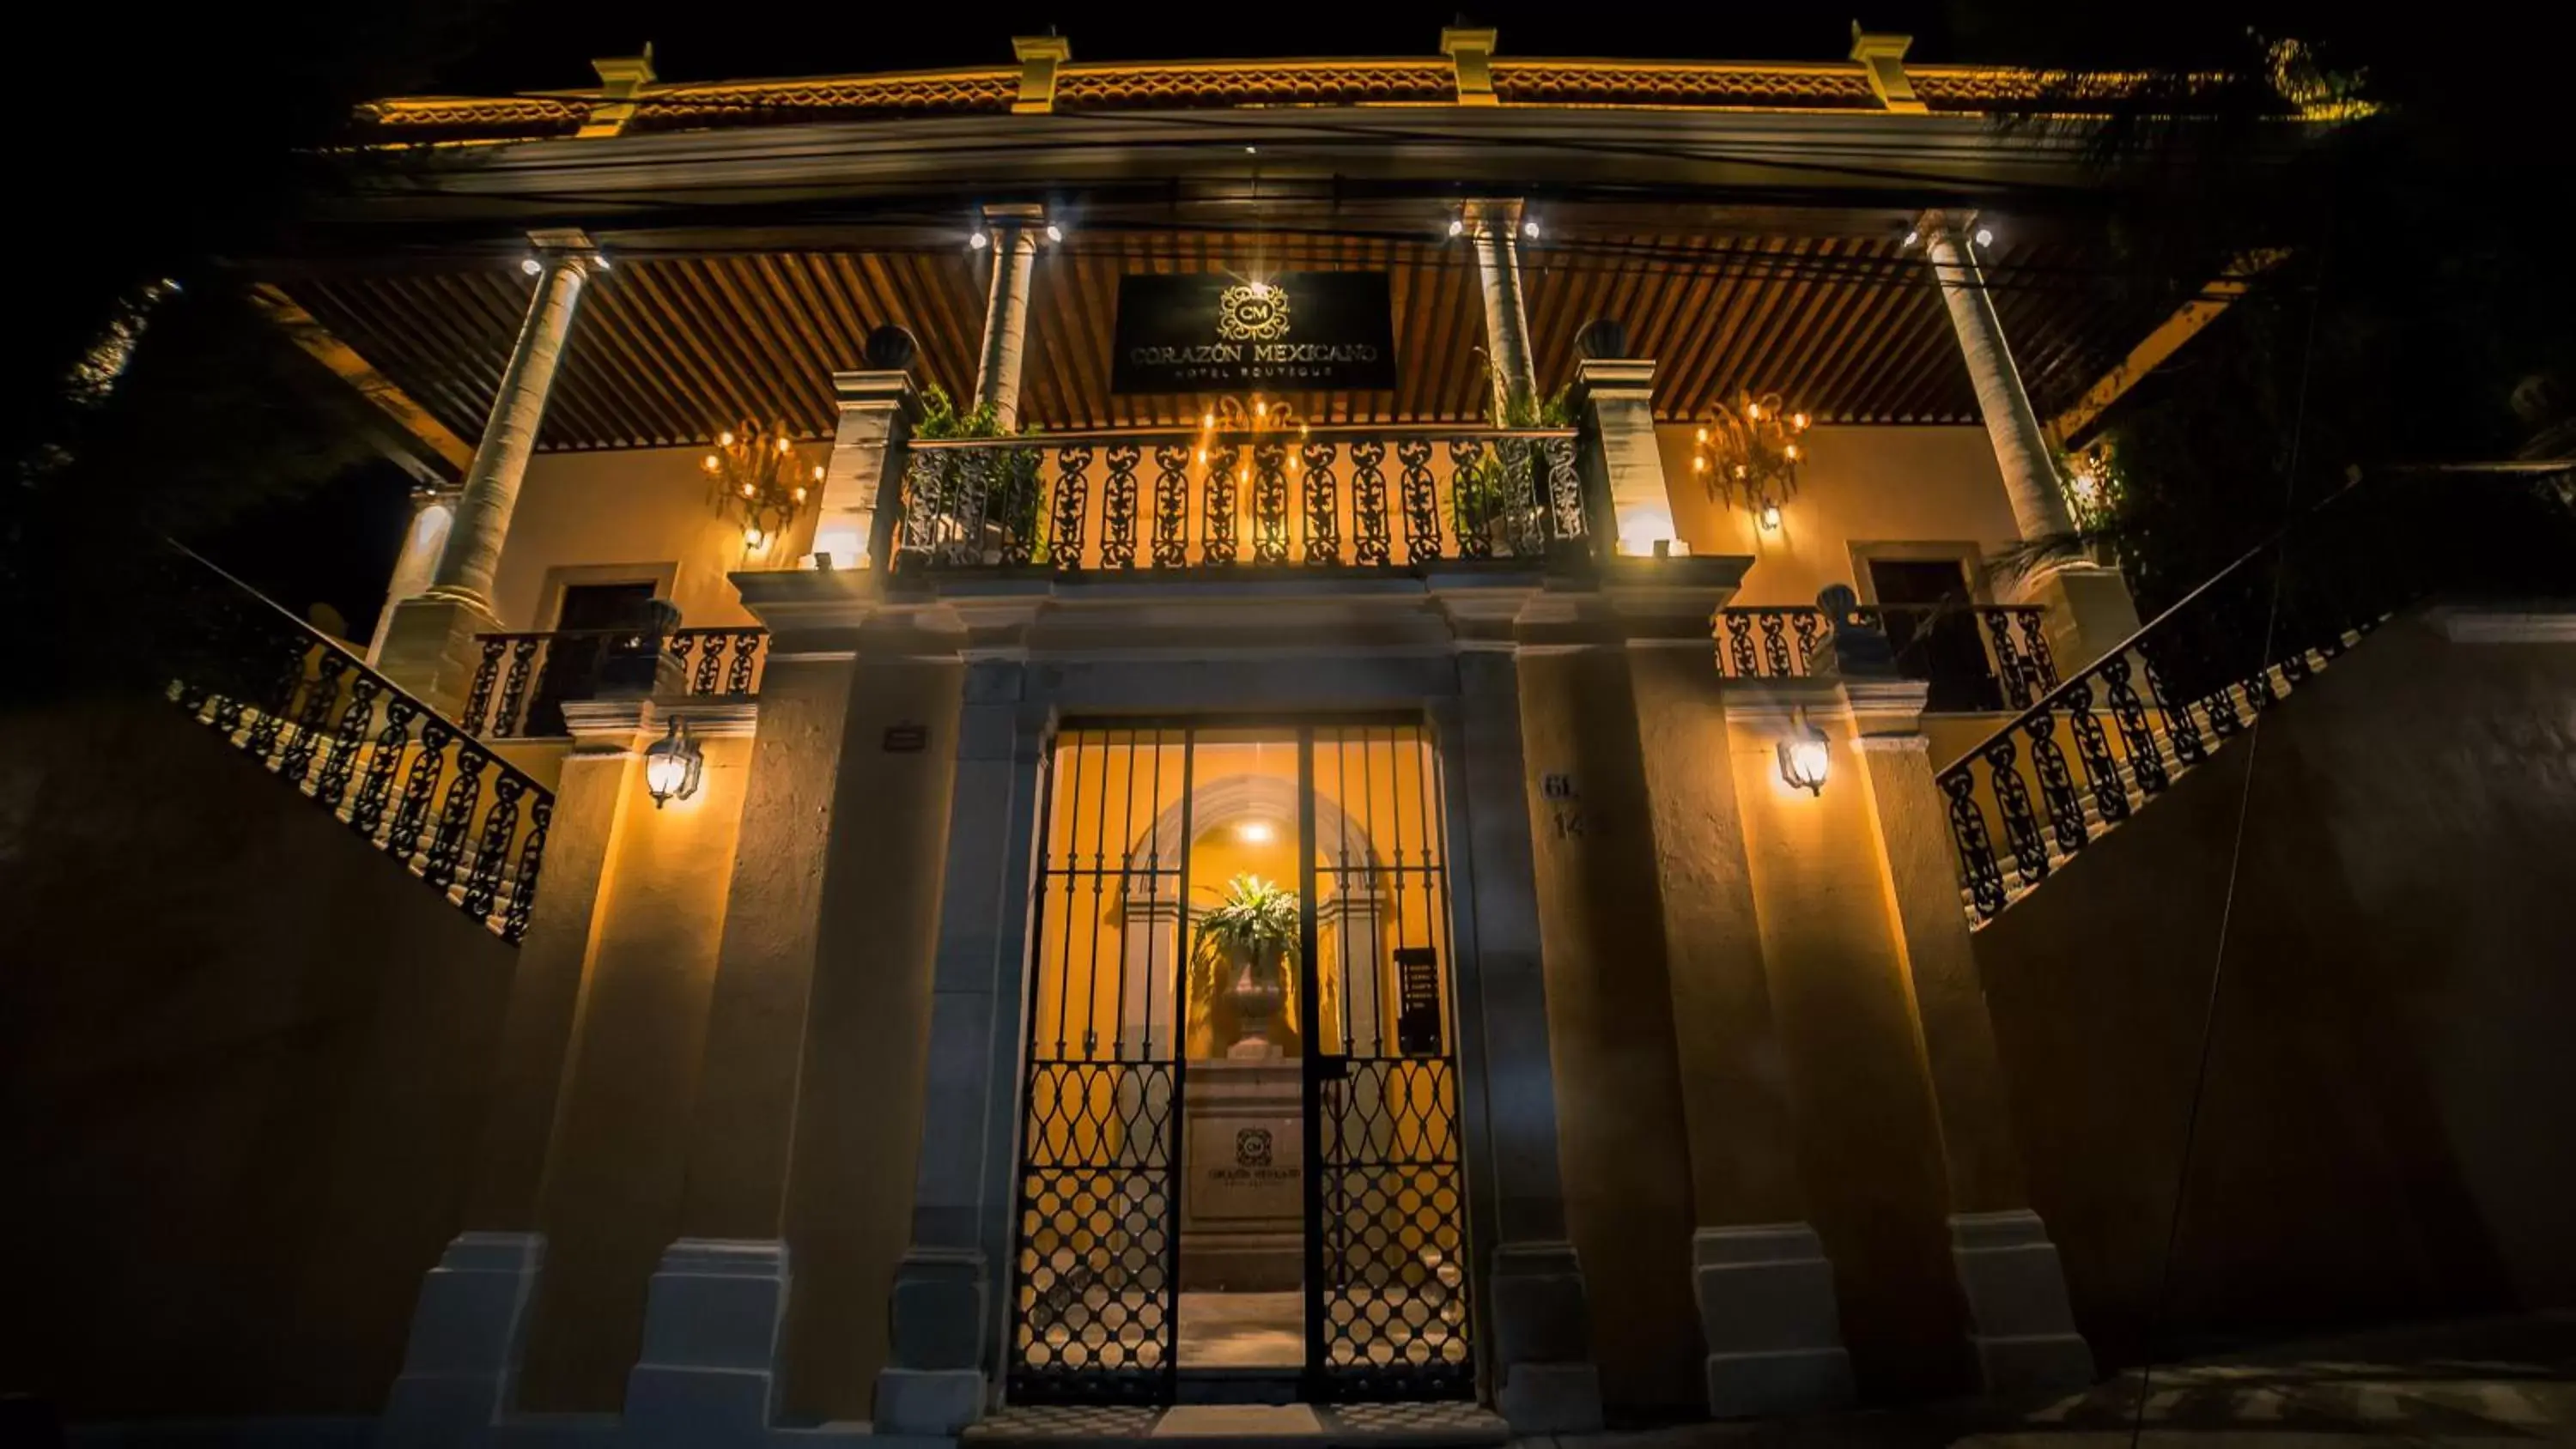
1805	756
672	765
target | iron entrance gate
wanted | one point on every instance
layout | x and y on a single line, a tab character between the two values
1146	829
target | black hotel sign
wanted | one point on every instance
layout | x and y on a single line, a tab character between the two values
1291	332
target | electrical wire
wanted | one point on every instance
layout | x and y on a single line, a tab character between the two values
2227	904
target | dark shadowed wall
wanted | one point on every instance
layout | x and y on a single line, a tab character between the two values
2391	1093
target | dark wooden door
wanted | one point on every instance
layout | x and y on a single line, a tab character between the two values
1931	619
592	616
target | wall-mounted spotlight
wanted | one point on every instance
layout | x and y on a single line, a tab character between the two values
1529	228
977	240
531	265
1985	236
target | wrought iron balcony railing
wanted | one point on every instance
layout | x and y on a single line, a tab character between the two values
410	783
1975	657
524	679
1367	498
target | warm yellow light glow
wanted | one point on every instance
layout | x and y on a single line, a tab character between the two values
1798	421
1255	832
725	439
746	490
818	472
1805	758
1703	436
1753	411
1207	421
1203	455
712	463
1699	465
782	445
798	495
1770	516
753	538
1790	452
1260	409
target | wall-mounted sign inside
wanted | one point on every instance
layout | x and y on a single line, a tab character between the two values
905	739
1218	332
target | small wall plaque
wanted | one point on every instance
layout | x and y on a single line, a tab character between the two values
905	739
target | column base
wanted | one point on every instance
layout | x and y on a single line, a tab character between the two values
2019	1320
2089	611
708	1373
430	650
461	1365
1545	1379
935	1384
1766	1304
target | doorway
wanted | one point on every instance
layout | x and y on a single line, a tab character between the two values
1931	622
590	620
1240	1148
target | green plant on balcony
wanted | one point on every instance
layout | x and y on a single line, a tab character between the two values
1015	493
1496	493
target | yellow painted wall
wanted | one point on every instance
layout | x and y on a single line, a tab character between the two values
616	1170
641	506
1859	485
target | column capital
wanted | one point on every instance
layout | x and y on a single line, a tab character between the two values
873	388
1616	376
1882	59
1015	213
1039	56
1495	216
1471	53
1943	222
567	248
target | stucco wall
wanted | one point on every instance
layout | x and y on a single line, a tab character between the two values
1858	485
643	507
2390	1095
242	1059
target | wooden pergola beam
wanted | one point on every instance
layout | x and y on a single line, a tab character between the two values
412	420
2186	323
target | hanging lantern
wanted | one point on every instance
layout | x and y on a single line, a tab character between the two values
672	764
755	477
1747	454
1805	756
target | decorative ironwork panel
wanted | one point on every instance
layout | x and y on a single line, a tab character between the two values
1369	531
1270	500
1217	519
2146	761
1421	501
1976	848
1323	506
1171	506
1094	1268
1072	507
2056	785
1118	508
1476	490
1564	487
2012	798
1388	1260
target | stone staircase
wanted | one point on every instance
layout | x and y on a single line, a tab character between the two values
408	782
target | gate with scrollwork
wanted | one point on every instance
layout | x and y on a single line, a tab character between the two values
1375	1149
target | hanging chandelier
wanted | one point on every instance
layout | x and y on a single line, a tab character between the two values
754	476
1747	454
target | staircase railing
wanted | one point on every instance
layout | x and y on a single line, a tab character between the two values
2121	730
414	785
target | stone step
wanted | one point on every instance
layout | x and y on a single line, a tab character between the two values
1444	1425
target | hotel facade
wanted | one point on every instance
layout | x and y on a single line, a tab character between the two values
1105	736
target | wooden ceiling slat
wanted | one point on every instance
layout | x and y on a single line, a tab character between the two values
669	347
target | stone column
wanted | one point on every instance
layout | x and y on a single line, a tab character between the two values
1618	410
2089	605
1494	229
468	1330
947	1288
876	410
2019	1319
423	537
1014	230
429	644
1537	1306
1764	1287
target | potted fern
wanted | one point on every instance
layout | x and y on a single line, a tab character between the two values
1014	506
1497	494
1244	954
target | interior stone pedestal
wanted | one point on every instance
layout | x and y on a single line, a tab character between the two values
1243	1190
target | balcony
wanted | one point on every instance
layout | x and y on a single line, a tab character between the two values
1980	657
1382	498
524	679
